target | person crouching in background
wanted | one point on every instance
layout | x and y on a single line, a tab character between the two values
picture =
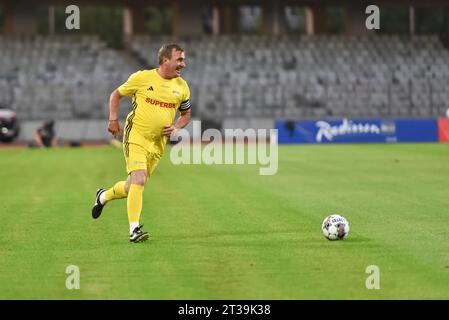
45	136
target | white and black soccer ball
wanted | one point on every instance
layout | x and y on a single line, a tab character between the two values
335	227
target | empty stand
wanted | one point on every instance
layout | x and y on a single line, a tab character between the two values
309	77
71	77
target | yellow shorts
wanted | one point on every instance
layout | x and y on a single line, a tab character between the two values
140	158
142	151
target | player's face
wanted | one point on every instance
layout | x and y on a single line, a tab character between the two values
176	63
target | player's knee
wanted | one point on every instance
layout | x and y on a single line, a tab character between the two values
139	178
141	181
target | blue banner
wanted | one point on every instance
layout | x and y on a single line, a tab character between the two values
358	130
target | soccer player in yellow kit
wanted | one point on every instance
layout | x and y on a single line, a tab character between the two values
156	96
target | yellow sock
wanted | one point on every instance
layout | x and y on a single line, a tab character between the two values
116	192
134	205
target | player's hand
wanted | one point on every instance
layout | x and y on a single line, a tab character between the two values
168	130
114	127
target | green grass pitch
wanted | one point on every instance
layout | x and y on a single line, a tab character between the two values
224	231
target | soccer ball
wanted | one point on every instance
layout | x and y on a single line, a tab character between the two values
335	227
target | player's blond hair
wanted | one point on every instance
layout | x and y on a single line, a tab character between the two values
166	50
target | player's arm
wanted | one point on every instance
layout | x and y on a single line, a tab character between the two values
182	121
127	89
114	107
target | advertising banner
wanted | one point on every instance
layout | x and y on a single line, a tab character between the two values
358	131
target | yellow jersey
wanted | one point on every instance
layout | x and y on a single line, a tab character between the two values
155	101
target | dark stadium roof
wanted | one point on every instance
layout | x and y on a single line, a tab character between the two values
241	2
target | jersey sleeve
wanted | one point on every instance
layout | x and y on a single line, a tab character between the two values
185	104
131	85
